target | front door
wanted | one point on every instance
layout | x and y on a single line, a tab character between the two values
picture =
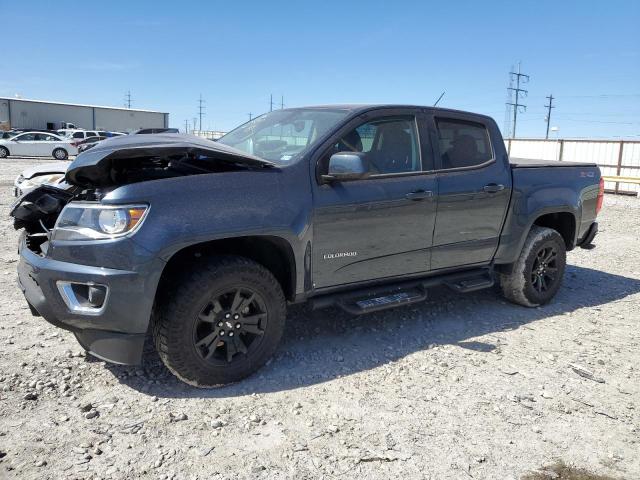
474	186
380	226
23	144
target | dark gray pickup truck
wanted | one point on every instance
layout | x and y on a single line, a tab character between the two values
204	243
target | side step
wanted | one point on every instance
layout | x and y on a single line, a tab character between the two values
471	284
382	297
382	301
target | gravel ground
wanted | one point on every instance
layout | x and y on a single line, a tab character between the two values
462	386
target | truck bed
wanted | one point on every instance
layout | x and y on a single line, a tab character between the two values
538	163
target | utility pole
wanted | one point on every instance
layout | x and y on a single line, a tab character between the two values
250	117
195	123
549	107
282	102
186	126
520	78
271	103
200	110
127	100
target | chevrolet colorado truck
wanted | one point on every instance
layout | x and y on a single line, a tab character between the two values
204	244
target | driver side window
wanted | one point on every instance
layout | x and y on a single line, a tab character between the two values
390	145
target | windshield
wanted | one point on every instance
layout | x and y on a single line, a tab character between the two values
283	135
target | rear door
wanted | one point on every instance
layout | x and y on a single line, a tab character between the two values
474	188
381	226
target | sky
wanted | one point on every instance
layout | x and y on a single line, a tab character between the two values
237	53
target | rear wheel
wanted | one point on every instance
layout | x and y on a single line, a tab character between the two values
537	274
4	153
222	323
60	154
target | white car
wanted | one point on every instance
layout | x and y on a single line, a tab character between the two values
30	178
37	144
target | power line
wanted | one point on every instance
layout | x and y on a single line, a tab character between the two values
127	99
519	77
549	107
200	110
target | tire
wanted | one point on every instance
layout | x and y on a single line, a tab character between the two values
4	153
194	327
60	154
537	274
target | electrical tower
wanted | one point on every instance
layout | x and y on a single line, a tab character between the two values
520	78
549	107
127	99
200	110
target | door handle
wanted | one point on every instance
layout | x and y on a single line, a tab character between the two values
493	188
419	195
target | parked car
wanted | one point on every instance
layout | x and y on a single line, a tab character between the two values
363	208
77	134
37	144
87	143
33	177
7	134
147	131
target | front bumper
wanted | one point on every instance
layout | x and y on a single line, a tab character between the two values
117	332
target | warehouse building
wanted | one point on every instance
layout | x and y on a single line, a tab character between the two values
41	115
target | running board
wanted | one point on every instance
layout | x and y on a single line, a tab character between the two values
383	297
471	284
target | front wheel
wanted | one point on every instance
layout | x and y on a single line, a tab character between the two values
4	153
60	154
222	323
537	274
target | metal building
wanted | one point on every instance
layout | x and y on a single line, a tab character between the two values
38	114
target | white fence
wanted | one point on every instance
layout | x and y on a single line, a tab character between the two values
614	157
210	134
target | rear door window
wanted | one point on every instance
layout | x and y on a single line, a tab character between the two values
78	135
463	143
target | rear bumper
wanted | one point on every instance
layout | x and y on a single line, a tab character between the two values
587	240
117	331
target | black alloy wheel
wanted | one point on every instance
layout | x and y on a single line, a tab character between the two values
230	325
544	271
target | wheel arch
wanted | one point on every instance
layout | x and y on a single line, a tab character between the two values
564	222
272	252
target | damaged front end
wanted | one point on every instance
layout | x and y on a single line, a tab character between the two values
117	162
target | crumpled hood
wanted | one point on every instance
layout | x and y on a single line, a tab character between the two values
93	168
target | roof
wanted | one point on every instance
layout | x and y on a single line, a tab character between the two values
362	107
13	99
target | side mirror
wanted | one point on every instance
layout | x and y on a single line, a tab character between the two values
346	166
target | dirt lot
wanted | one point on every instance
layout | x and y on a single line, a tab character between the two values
458	387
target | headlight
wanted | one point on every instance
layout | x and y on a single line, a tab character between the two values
93	221
40	180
